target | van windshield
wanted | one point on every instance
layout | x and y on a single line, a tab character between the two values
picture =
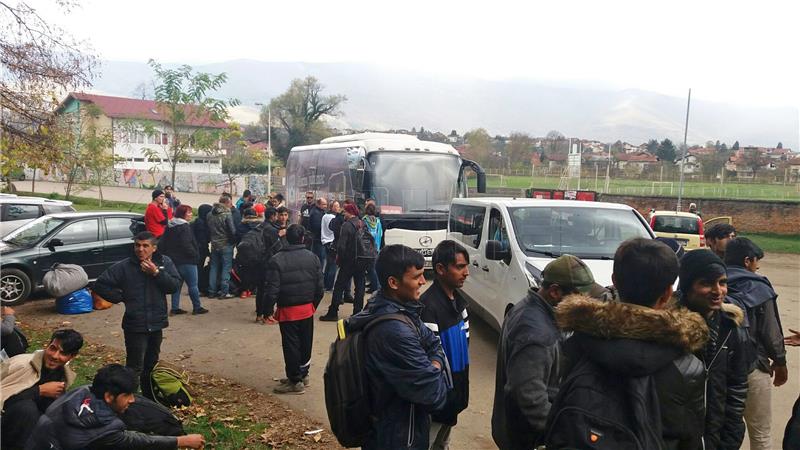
587	233
405	182
677	224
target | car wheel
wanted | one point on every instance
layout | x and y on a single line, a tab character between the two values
15	286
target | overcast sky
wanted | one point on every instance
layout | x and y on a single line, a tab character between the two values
731	51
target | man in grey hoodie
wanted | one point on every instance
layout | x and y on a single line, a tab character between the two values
222	234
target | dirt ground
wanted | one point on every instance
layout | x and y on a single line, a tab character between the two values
228	344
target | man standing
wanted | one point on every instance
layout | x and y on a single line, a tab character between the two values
31	382
718	236
406	367
315	224
244	199
142	282
754	293
328	239
703	287
305	210
529	354
294	282
222	233
172	200
88	417
445	313
158	214
271	234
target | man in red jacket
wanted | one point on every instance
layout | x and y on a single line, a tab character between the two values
157	214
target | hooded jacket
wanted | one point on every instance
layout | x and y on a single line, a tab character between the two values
178	243
246	225
221	229
404	387
637	342
145	296
273	243
754	293
294	277
24	371
79	420
200	230
346	244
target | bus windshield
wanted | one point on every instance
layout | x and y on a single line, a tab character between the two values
405	182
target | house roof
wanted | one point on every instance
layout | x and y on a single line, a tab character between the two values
132	108
637	157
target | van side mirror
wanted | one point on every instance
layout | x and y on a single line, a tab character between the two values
496	252
55	242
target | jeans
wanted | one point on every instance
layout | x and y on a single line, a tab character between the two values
318	249
296	338
356	271
372	274
758	410
439	436
188	273
142	351
329	276
221	260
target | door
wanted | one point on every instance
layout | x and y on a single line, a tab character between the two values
466	226
80	244
711	222
118	240
497	273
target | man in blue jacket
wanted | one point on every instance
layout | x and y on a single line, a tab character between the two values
142	282
407	370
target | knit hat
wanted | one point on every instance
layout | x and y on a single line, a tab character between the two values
698	264
351	209
260	208
157	193
250	212
570	271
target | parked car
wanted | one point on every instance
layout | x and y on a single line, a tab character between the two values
686	228
16	211
510	241
94	240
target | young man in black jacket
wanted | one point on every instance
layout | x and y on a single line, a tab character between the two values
703	289
142	282
754	294
88	417
445	313
294	282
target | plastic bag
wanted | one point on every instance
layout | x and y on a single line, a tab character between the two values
78	302
64	279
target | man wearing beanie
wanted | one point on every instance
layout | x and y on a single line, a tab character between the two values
703	287
157	214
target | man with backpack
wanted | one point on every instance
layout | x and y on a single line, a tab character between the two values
355	252
273	239
222	233
629	377
90	417
404	367
529	354
249	252
754	293
445	313
294	283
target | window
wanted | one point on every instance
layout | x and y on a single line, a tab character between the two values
138	159
154	159
21	212
677	224
52	209
164	139
497	229
118	228
466	224
32	232
198	161
213	161
79	232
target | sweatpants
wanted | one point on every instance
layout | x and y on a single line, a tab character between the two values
758	410
297	337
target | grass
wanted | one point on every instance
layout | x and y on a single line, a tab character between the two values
92	204
775	243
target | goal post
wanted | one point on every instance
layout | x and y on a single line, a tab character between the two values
661	185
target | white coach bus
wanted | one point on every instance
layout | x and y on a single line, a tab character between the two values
412	181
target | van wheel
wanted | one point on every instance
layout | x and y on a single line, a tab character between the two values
15	286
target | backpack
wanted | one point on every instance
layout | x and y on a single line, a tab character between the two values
15	343
365	243
251	250
170	387
595	409
346	389
149	417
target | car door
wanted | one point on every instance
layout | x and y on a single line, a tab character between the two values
466	226
118	240
79	243
711	222
498	273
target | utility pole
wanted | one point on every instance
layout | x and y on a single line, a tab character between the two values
683	156
269	147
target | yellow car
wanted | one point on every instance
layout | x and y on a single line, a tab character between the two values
684	227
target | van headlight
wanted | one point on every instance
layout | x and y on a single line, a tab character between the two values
533	274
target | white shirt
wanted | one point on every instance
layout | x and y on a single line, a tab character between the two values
326	232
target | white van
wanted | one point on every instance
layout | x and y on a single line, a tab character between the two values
511	240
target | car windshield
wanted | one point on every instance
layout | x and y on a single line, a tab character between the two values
414	182
677	224
588	233
33	232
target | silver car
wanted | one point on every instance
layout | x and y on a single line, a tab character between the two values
16	211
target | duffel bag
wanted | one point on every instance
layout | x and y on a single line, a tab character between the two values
64	279
78	302
149	417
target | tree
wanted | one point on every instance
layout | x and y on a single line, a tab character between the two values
780	145
86	156
735	146
242	159
666	150
554	135
519	149
480	144
754	160
182	99
652	146
299	111
40	61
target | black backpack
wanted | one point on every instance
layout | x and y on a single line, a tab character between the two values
149	417
346	389
15	343
595	409
365	243
251	250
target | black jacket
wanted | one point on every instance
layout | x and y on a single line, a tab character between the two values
527	375
273	243
449	321
145	296
200	230
294	277
315	222
221	227
636	342
247	224
178	243
404	387
346	245
79	420
305	214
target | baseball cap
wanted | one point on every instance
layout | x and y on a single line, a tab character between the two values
570	271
